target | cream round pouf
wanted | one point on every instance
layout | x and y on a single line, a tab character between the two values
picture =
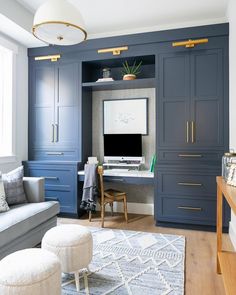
30	272
73	244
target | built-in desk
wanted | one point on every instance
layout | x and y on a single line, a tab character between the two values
132	177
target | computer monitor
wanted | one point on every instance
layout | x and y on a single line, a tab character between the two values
122	146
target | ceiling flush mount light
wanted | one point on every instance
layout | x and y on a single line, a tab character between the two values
58	22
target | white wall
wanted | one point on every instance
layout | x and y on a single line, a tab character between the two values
21	109
232	93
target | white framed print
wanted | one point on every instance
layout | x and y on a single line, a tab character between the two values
125	116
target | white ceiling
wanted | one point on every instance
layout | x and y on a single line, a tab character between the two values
109	18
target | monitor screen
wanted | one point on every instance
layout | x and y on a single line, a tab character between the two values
122	145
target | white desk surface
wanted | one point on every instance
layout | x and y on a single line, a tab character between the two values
131	173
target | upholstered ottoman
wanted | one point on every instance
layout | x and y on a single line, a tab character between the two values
73	244
30	272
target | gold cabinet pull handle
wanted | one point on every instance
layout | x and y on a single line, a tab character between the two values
52	137
190	208
187	132
189	156
189	184
193	131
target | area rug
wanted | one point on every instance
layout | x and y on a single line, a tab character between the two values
132	263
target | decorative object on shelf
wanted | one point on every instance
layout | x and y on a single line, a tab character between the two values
153	163
106	75
231	179
58	22
130	72
227	160
125	116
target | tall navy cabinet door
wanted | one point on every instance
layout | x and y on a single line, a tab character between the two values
66	106
42	94
173	96
207	98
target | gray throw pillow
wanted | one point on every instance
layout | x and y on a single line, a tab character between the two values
13	184
3	203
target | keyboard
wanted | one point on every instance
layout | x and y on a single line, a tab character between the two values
117	170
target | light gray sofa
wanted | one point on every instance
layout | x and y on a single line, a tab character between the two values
24	225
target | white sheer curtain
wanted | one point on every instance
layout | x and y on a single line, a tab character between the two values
6	100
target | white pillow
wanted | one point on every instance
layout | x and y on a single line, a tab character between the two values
3	203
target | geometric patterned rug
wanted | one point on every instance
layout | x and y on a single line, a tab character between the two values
132	263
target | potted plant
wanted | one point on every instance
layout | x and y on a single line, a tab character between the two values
130	72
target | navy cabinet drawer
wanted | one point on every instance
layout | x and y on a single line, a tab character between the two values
190	183
49	155
54	177
185	210
66	199
212	157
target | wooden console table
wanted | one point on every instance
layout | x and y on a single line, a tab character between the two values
226	261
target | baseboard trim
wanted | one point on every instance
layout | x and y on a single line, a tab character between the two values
135	208
232	234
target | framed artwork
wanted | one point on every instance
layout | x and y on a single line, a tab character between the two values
231	180
124	116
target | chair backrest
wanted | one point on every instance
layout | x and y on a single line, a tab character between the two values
101	186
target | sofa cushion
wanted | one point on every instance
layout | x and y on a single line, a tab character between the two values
24	217
3	203
13	184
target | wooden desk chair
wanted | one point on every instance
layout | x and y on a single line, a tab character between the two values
109	196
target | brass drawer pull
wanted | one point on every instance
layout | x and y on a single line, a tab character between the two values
189	184
189	156
55	153
116	179
190	208
50	177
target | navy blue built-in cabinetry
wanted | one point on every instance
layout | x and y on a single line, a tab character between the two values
55	107
192	124
191	116
58	140
60	182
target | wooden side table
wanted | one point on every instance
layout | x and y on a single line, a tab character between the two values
226	261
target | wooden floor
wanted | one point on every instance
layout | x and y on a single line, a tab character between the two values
201	277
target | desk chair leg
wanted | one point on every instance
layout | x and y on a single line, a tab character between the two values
102	214
90	216
125	209
111	205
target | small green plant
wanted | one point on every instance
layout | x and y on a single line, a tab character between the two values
131	70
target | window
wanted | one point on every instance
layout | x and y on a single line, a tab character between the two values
6	101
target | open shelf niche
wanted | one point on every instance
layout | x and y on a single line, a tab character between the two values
92	71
